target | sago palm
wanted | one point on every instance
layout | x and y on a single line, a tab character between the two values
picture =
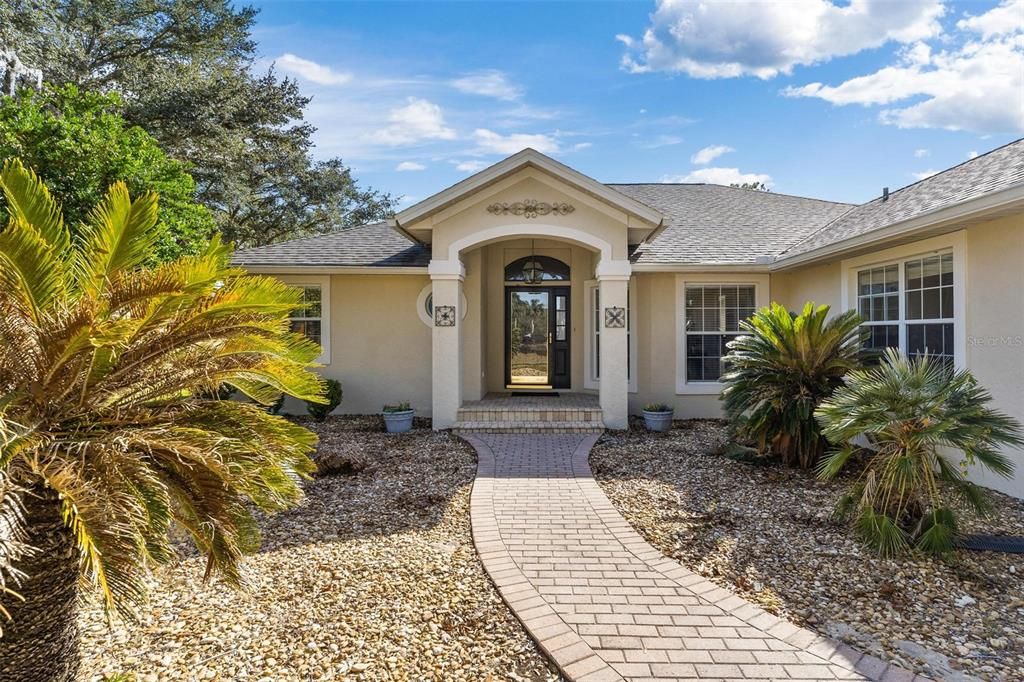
109	432
780	370
913	414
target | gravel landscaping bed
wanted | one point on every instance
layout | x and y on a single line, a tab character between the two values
374	577
766	533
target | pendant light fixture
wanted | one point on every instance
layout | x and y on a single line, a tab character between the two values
533	271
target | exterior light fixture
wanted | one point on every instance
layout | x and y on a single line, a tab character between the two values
533	271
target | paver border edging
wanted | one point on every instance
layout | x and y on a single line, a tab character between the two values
575	659
831	651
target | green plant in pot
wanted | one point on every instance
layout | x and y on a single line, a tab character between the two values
398	417
658	416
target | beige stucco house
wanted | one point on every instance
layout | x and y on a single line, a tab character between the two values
532	277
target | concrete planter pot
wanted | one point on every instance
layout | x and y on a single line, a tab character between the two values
658	421
398	422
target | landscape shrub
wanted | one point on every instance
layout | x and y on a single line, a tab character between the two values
909	411
333	394
778	372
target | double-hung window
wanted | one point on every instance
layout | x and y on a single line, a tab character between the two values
910	304
712	317
307	319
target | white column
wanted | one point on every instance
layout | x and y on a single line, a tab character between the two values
613	278
446	278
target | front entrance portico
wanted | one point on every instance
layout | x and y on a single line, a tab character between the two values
448	282
526	208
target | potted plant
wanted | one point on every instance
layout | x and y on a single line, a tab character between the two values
398	418
658	416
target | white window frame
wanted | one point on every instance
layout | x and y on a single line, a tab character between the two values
955	243
761	299
324	282
590	378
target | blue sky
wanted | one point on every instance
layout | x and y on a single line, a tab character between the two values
830	100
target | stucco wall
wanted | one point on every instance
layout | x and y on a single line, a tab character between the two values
993	318
380	349
818	283
995	325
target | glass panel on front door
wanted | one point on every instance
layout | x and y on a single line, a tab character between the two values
529	316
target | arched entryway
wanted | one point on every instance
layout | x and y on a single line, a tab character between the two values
538	324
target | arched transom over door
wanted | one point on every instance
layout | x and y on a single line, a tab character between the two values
537	324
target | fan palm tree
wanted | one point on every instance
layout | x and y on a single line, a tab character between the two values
109	426
910	411
778	372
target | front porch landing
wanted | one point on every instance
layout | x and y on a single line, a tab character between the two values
511	413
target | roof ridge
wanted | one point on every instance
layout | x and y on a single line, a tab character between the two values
742	189
891	195
946	170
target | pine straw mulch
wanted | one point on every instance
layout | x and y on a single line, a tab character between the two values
766	533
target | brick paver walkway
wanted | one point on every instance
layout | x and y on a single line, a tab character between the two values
605	605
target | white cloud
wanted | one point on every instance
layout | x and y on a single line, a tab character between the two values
410	166
720	176
709	154
489	83
661	141
972	155
471	166
975	84
1005	19
580	146
491	142
419	120
311	71
753	37
920	153
924	174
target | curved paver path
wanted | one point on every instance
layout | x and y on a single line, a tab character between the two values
605	605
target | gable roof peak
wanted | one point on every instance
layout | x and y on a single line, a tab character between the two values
527	157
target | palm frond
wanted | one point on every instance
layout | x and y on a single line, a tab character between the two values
914	411
29	201
29	272
779	371
104	365
119	235
14	545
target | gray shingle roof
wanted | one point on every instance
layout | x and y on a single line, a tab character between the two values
369	245
704	224
727	225
998	169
